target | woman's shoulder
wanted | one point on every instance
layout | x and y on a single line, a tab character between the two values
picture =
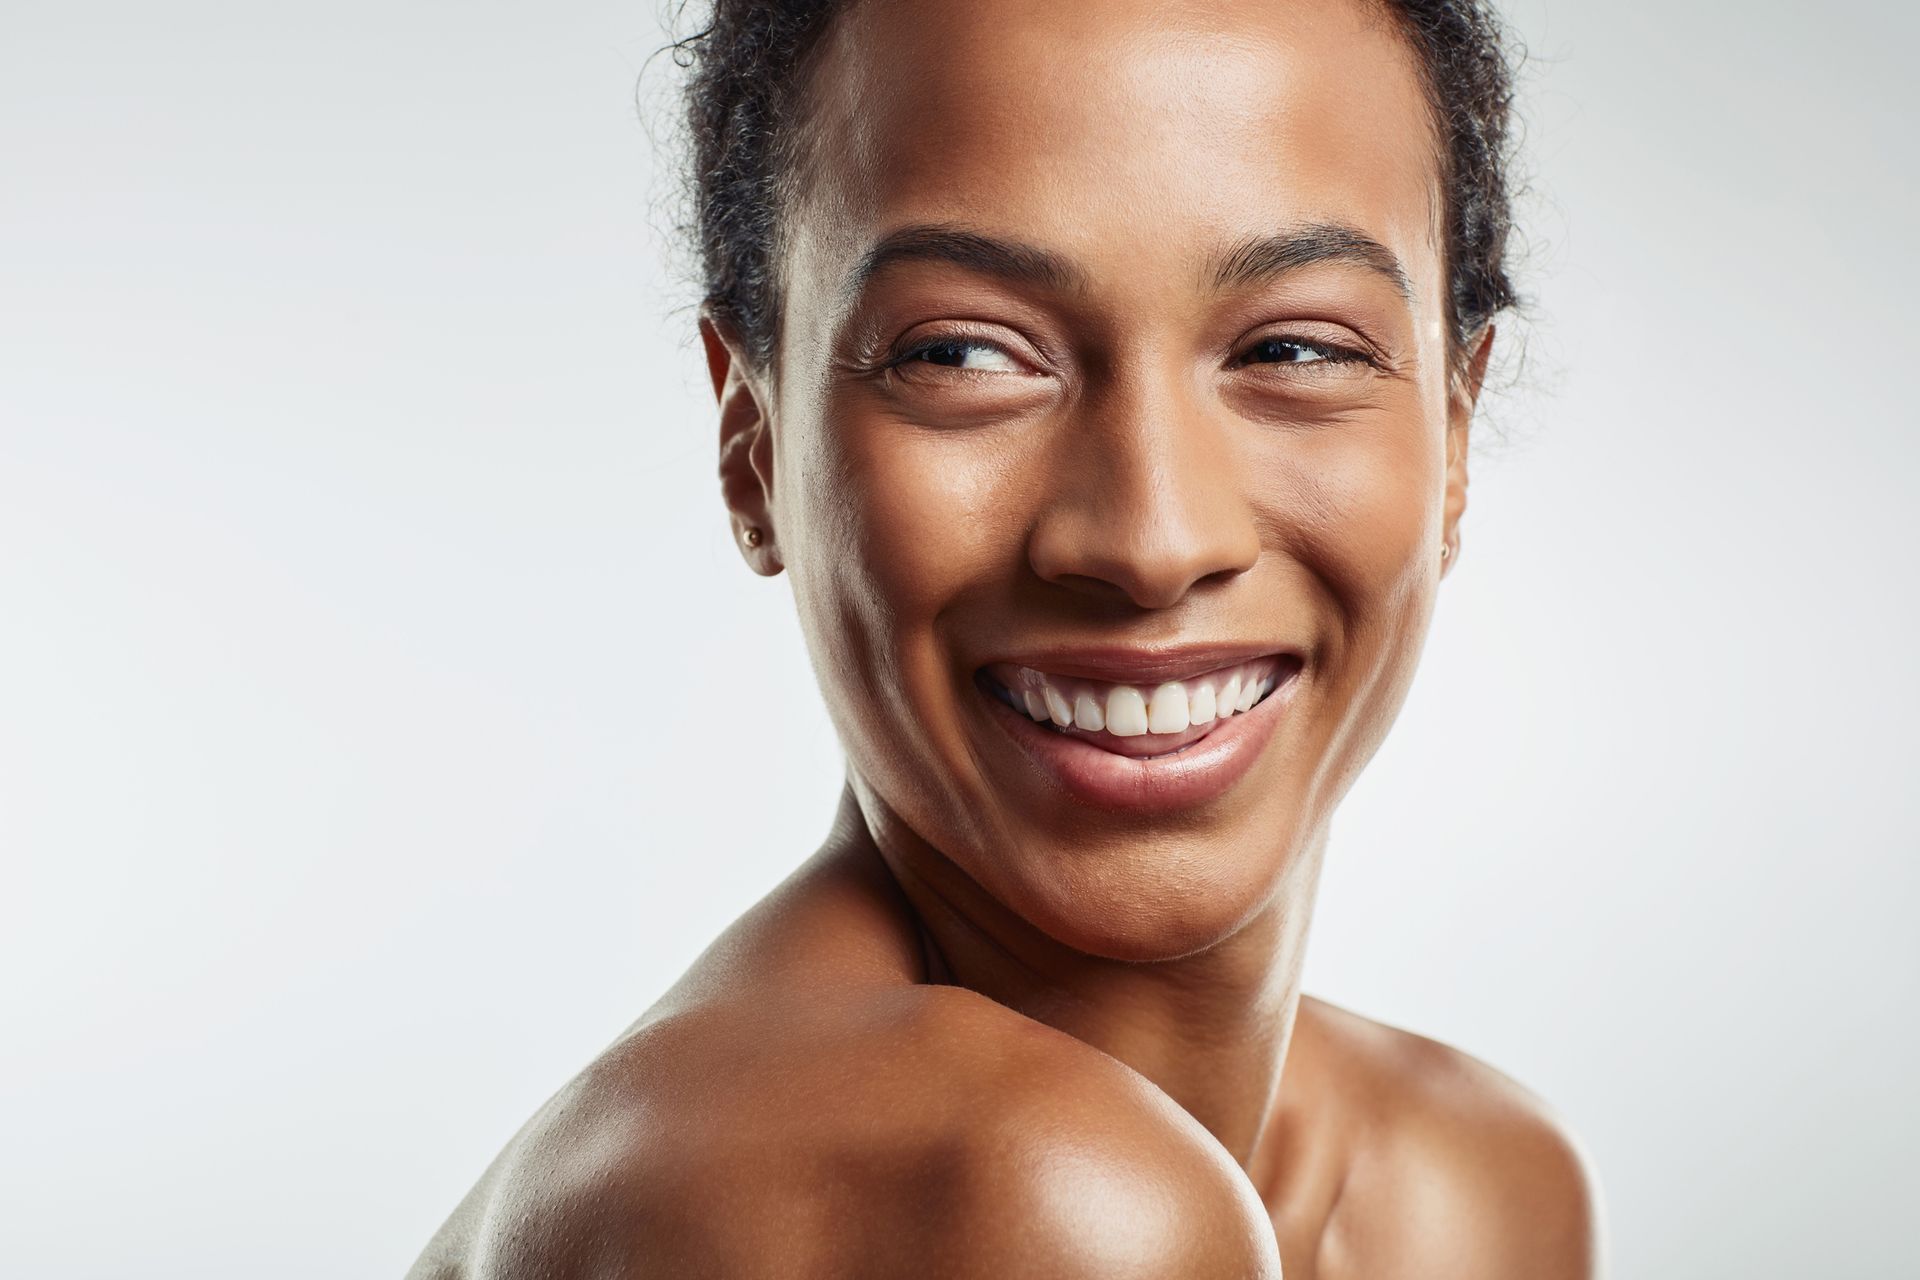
1451	1167
860	1131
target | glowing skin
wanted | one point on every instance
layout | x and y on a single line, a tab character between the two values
1112	365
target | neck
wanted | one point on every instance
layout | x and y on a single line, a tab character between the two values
1210	1029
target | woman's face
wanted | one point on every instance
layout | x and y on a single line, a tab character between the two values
1113	372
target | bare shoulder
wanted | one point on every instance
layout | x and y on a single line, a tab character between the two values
1455	1169
877	1131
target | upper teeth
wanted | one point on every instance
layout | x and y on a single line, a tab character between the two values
1128	711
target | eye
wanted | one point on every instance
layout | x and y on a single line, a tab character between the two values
972	355
1279	350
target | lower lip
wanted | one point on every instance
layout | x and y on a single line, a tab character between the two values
1203	771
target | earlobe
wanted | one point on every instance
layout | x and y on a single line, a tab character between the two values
1456	499
746	450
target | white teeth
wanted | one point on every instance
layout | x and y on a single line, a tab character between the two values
1249	694
1229	700
1167	712
1126	712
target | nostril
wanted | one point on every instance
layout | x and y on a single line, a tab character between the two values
1145	516
1144	580
1098	588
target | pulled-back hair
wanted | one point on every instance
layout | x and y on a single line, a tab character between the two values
743	100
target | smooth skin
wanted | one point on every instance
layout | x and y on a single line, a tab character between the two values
986	1031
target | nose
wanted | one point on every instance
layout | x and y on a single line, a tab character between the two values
1148	499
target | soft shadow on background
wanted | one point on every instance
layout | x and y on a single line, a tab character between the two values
386	719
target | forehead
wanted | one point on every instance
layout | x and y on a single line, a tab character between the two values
1133	136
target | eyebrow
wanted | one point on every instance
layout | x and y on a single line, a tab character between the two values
1250	261
1259	258
987	255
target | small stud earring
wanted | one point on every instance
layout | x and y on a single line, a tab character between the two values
753	536
1444	549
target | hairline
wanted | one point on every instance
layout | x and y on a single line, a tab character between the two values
796	170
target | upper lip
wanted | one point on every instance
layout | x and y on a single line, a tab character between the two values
1130	664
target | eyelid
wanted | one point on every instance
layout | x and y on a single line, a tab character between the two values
1360	351
1332	352
905	353
927	344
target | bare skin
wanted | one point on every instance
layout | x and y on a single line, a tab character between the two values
990	1028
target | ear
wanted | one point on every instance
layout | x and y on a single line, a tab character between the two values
1461	399
746	443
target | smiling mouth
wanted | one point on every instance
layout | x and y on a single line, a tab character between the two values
1140	721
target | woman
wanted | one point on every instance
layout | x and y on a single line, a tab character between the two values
1102	375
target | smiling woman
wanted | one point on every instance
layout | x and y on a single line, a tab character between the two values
1101	375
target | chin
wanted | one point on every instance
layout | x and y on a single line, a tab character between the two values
1157	901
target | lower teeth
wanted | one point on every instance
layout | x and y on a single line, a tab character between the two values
1065	733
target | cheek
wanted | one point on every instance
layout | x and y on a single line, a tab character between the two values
918	517
894	526
1367	512
1361	507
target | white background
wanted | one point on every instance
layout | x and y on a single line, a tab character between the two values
377	680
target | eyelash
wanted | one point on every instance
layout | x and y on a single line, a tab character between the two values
1328	352
962	341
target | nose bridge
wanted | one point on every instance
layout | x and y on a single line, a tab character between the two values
1147	499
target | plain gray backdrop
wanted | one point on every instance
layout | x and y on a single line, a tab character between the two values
378	681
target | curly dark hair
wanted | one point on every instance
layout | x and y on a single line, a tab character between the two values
749	66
